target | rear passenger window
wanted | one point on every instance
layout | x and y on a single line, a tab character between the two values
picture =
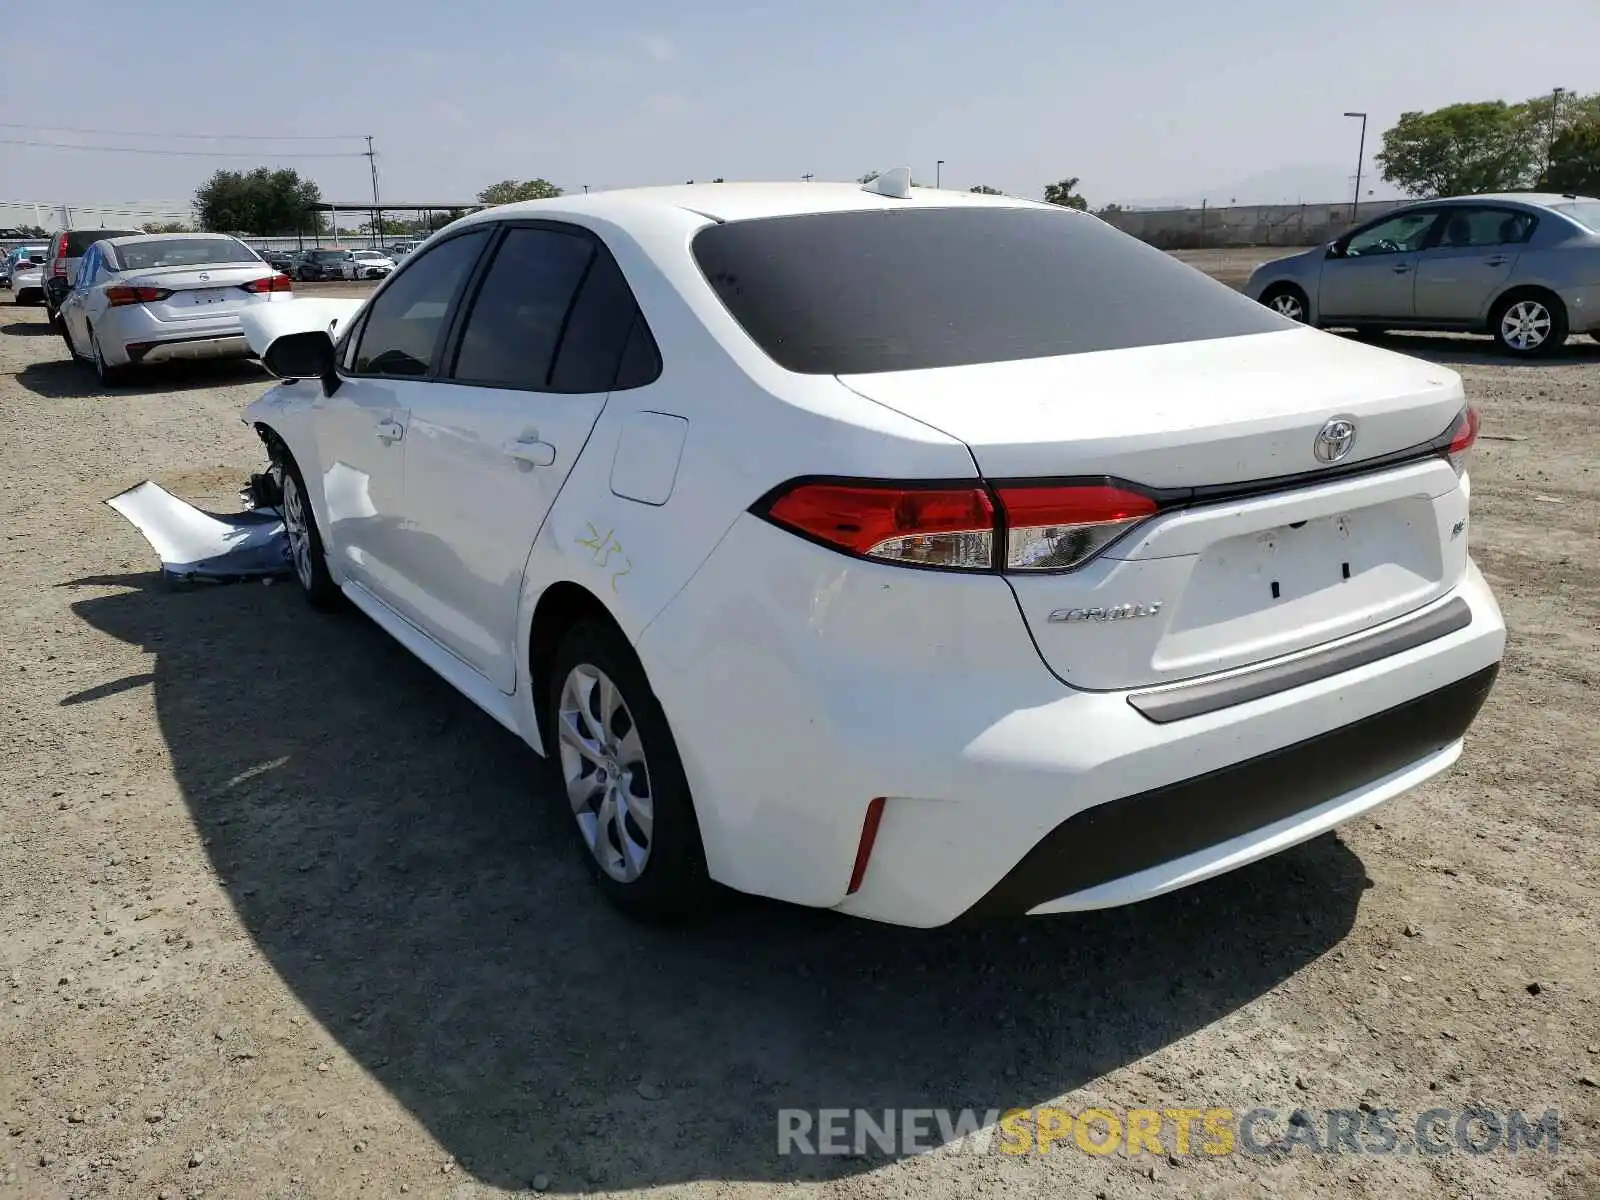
599	331
517	319
404	322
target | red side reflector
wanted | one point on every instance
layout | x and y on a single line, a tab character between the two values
869	835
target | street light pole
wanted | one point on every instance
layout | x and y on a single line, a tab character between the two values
1361	156
1549	146
938	173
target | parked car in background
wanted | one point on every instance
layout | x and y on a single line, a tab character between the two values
400	249
321	263
24	274
153	298
366	264
1523	268
281	260
908	552
61	263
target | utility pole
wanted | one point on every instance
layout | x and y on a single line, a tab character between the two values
377	212
1361	154
586	189
938	173
808	177
1549	146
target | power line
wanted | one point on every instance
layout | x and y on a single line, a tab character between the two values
185	153
213	137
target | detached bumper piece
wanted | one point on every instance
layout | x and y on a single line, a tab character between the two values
1121	837
196	546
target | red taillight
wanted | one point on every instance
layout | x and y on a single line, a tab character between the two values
270	283
1463	435
59	258
1038	527
869	835
121	294
907	523
1057	527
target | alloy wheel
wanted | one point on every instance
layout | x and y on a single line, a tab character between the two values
1288	304
296	527
606	775
1525	325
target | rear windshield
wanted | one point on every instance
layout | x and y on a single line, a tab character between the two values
79	240
1585	212
183	252
906	289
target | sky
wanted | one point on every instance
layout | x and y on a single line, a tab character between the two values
1159	100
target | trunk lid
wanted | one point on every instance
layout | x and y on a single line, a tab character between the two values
202	293
1216	582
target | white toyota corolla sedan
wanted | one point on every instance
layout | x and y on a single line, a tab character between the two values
906	552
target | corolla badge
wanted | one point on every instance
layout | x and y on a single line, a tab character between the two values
205	275
1334	440
1114	612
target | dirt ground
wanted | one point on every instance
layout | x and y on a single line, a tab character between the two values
282	915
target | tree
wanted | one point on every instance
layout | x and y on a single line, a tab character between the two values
167	227
509	191
1575	161
983	189
1062	192
1462	149
263	201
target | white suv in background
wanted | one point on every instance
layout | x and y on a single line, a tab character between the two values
906	552
66	249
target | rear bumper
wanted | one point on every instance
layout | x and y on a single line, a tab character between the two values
801	685
189	349
1130	848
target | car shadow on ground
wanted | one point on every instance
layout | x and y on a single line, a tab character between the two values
401	862
64	379
28	329
1458	350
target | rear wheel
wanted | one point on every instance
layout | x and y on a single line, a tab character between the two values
1288	301
1529	324
624	782
108	375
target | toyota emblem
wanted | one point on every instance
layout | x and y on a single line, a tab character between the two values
1334	440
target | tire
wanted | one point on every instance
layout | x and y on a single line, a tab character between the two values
621	779
108	375
1287	300
305	543
1529	324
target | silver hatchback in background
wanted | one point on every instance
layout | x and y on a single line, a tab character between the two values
159	297
1521	267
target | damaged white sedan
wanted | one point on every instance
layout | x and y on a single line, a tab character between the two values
906	552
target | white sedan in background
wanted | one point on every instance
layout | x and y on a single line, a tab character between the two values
366	264
907	552
160	297
25	277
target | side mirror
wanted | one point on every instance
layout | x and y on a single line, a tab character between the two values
307	355
1335	249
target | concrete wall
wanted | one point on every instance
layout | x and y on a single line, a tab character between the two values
1244	225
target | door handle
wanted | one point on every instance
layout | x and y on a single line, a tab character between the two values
389	431
529	451
1499	260
1400	268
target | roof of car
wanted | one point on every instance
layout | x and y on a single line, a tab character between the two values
746	201
1541	199
127	239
